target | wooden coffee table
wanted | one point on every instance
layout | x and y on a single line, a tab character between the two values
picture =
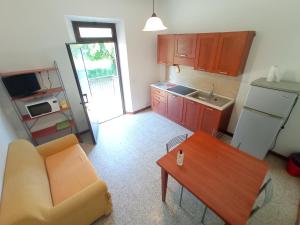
225	179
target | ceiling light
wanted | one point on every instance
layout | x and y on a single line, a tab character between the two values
154	23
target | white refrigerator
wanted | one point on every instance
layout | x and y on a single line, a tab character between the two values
264	114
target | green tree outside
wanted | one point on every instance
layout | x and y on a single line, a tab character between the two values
96	52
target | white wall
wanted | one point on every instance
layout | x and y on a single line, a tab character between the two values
7	134
276	43
34	33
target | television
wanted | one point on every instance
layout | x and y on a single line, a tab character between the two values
21	85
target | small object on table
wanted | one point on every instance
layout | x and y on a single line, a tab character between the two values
63	125
180	157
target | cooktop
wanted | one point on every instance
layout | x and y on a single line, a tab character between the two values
181	90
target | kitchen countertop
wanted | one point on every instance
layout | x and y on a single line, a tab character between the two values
165	85
286	86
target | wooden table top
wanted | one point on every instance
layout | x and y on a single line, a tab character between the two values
222	177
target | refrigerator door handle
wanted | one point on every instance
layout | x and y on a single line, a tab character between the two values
262	113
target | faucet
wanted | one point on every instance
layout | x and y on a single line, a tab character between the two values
211	92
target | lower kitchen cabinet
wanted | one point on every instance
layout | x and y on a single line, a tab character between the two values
210	120
191	114
174	107
158	106
158	101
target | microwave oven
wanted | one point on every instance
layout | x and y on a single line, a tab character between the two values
42	107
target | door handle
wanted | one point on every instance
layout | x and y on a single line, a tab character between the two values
183	55
222	72
85	98
209	109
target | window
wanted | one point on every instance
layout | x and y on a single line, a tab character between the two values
91	31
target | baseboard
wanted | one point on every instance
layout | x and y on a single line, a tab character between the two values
228	133
298	219
278	155
83	132
140	110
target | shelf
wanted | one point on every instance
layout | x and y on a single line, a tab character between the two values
40	93
28	118
49	130
21	72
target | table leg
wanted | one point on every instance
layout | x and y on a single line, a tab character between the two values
164	184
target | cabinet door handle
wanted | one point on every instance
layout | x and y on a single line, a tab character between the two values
86	100
183	55
209	109
202	69
222	72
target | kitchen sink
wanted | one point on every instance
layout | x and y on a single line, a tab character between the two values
212	99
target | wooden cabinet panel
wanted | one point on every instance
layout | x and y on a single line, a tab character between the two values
185	49
159	106
192	113
165	49
232	52
210	120
174	107
158	101
206	51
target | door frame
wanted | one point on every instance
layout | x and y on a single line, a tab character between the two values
112	26
79	40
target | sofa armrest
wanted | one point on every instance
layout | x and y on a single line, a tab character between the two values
84	207
57	145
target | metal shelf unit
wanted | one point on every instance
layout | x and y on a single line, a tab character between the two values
59	91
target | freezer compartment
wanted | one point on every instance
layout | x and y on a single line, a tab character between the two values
270	101
256	132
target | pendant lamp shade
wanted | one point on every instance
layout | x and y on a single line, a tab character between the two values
154	23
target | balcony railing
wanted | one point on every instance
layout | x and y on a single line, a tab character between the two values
104	85
106	98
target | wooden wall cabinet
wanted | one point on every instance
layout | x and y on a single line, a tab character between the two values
223	53
185	49
174	107
232	52
165	49
206	51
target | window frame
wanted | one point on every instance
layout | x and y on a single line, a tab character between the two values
77	24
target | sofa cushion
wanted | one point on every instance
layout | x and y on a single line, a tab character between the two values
69	172
26	192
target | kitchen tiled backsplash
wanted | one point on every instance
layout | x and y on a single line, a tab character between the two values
223	85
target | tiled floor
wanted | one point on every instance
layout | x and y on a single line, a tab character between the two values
125	157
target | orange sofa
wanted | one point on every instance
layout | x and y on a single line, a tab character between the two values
52	184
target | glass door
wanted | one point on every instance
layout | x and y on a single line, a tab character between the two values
95	62
99	80
96	70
